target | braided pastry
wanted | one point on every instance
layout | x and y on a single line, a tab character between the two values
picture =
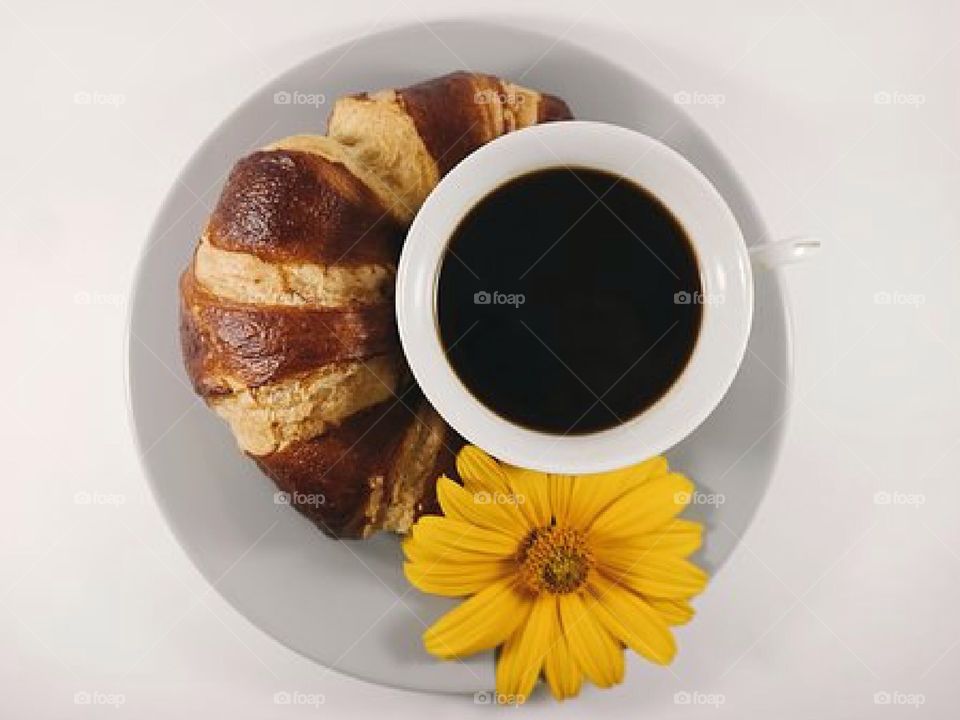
286	315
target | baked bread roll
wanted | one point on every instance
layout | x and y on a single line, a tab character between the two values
286	311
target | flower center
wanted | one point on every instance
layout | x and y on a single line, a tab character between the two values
554	560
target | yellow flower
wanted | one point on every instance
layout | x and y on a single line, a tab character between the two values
563	571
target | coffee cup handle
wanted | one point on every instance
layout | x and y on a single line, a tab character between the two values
784	252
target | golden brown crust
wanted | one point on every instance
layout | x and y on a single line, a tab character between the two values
256	344
458	113
343	480
287	323
273	417
245	278
450	116
552	109
331	477
293	205
445	463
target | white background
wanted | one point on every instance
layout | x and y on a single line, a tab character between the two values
836	593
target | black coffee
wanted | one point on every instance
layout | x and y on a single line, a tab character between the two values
569	300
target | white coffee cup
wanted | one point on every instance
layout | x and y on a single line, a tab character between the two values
726	279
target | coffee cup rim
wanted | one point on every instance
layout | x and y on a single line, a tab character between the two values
726	280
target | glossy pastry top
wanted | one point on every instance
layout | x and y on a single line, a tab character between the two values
286	312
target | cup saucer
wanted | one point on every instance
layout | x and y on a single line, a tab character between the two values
347	605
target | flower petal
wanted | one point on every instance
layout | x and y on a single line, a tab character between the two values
642	509
561	497
673	612
590	495
523	654
480	472
663	576
594	649
561	671
679	537
478	509
424	553
627	617
456	579
530	491
634	474
593	493
480	623
443	538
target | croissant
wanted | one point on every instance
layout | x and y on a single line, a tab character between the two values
286	310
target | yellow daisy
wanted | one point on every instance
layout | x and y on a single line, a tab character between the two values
563	571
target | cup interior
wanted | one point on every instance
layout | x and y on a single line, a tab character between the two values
725	278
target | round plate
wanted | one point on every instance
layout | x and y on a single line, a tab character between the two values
347	605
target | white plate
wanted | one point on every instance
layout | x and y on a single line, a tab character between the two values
347	605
